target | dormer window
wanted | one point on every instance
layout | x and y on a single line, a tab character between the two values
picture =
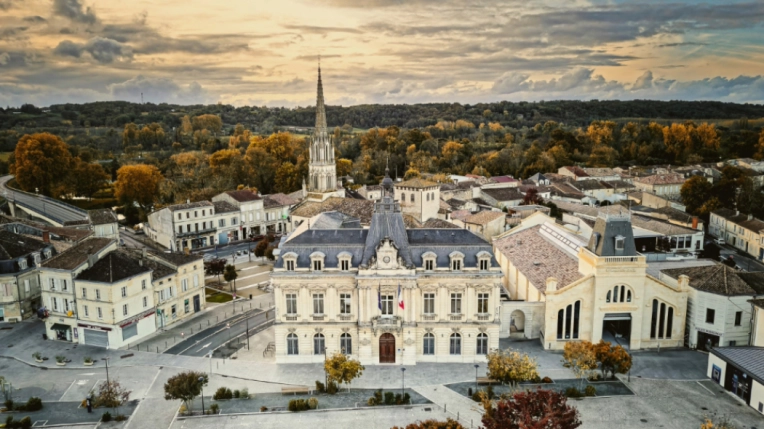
317	261
428	261
290	261
457	261
484	260
344	259
289	265
619	240
47	253
36	257
22	264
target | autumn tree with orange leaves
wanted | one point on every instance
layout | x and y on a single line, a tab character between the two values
138	184
42	163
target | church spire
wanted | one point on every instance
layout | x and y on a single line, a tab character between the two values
320	110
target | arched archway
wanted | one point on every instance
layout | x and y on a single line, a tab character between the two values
517	322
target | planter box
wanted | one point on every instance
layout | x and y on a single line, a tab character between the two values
61	363
39	360
88	363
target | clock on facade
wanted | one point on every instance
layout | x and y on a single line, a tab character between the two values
386	259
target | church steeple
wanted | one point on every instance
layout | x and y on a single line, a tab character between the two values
320	109
322	170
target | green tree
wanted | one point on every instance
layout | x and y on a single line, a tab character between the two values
230	275
185	386
695	191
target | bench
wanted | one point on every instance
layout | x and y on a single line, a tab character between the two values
486	380
295	390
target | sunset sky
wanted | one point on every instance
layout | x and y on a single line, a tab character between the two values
264	52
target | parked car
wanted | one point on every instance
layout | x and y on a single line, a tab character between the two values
719	241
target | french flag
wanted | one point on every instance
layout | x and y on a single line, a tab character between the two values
400	297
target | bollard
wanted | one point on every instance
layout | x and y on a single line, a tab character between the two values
157	349
250	305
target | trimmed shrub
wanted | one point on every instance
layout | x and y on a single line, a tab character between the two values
292	405
120	418
398	399
8	404
372	402
223	393
312	403
214	409
263	409
572	392
389	398
590	391
106	417
25	423
546	380
236	394
476	396
332	388
378	396
244	393
320	387
536	379
33	404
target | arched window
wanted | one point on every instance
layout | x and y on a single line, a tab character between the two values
455	347
620	293
608	296
568	321
318	344
412	197
292	347
346	343
482	344
662	320
428	345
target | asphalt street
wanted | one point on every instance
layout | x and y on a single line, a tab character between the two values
210	339
55	210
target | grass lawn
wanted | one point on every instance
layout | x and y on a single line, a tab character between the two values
4	156
218	297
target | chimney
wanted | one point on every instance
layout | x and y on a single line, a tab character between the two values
694	222
750	216
684	282
551	284
46	236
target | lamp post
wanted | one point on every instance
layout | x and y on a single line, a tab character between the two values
201	380
210	354
476	383
247	335
403	381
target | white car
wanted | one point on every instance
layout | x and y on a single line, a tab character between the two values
719	241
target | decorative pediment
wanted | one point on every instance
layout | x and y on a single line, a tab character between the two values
344	254
429	254
483	254
387	255
317	255
456	254
483	329
289	255
345	330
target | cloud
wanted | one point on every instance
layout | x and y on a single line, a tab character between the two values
146	40
159	90
643	82
5	58
6	4
35	19
73	10
103	50
313	29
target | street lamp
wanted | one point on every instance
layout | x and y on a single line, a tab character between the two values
403	381
476	383
201	380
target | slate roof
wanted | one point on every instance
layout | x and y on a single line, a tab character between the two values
537	177
334	220
503	194
185	206
387	222
159	270
243	195
718	279
76	222
361	209
115	266
750	359
177	259
416	182
13	246
77	254
278	200
538	258
484	217
606	228
224	207
102	216
674	214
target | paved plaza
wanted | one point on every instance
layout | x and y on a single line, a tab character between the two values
670	386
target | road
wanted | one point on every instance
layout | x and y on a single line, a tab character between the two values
210	339
48	207
742	260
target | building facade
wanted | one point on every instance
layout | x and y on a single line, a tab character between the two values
385	295
20	293
419	198
740	230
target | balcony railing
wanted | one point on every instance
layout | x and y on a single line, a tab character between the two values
291	317
623	259
386	322
455	317
318	317
429	317
345	317
483	317
195	232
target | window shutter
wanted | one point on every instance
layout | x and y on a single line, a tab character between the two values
26	286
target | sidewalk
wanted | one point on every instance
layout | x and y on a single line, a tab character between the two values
214	314
468	412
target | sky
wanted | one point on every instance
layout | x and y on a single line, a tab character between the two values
265	52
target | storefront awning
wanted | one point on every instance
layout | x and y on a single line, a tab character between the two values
617	316
60	327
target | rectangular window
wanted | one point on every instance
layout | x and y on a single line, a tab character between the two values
345	265
710	315
65	286
55	304
124	291
180	216
100	313
291	303
124	309
738	318
26	286
234	221
143	284
429	303
85	310
387	305
456	264
290	265
184	284
180	229
456	303
66	305
98	295
52	284
344	303
316	265
428	265
145	301
484	264
483	303
318	303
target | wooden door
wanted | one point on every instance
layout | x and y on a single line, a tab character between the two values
387	348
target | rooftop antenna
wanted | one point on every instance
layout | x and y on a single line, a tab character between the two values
141	98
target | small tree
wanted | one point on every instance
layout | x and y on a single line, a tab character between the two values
580	357
342	369
261	247
532	197
538	409
111	394
612	359
230	275
216	267
719	423
185	386
511	367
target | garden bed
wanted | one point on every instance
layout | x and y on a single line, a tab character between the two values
603	388
279	402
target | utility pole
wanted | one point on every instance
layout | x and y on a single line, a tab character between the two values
266	318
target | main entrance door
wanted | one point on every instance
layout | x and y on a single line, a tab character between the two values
387	348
